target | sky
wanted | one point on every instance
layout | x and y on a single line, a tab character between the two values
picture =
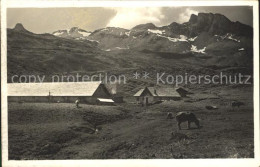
48	20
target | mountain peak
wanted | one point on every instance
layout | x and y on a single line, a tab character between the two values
20	27
73	29
74	33
212	23
208	17
145	26
193	18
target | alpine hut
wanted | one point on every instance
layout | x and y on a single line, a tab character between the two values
67	92
150	95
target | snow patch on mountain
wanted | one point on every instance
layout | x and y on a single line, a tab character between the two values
194	49
92	40
228	36
75	33
85	34
116	48
156	31
182	38
121	48
128	33
193	39
58	33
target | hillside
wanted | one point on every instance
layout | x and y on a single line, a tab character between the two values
57	131
207	45
30	53
205	41
205	34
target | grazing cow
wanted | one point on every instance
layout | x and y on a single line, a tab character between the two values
186	116
237	103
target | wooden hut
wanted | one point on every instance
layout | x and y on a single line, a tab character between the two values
150	95
67	92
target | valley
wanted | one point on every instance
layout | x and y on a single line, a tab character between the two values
208	44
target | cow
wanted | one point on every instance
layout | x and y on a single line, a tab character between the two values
186	116
237	103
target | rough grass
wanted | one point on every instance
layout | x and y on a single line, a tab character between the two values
42	129
61	131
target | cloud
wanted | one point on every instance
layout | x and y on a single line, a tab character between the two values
130	17
185	16
42	20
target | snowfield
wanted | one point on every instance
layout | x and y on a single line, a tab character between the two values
85	34
156	31
128	33
58	33
228	36
193	39
182	38
121	48
194	49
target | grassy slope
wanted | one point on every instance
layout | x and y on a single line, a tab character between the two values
60	131
46	54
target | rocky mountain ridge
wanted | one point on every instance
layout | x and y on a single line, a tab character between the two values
209	40
203	34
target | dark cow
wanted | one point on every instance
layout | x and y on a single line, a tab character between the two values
186	116
237	103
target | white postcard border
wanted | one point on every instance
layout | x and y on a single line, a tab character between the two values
154	162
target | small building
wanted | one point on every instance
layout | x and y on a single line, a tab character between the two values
65	92
150	95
